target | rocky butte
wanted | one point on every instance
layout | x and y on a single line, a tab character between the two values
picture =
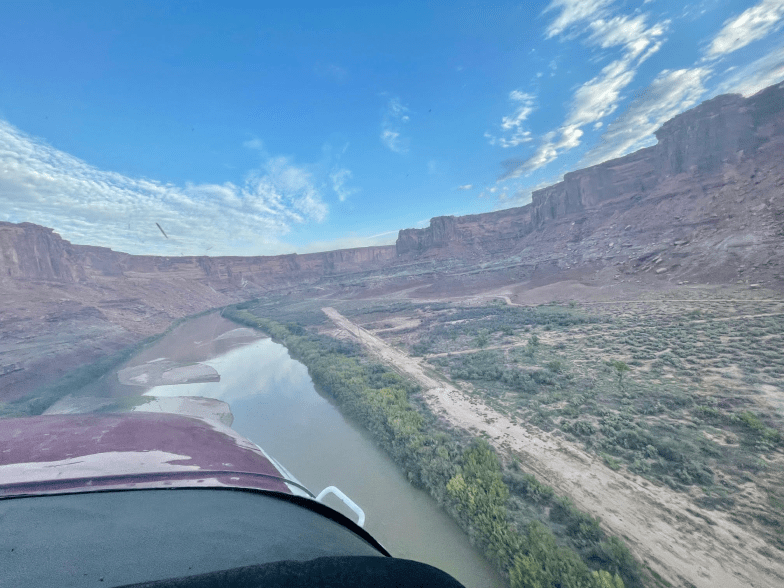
705	204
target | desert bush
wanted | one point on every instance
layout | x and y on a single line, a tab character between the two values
556	366
421	347
581	428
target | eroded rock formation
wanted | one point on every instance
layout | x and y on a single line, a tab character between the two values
32	252
65	303
724	131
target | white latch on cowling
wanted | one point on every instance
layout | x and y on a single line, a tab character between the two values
346	500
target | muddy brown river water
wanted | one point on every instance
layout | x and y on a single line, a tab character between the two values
276	406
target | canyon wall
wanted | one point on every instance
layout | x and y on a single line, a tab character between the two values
32	252
489	232
697	142
65	304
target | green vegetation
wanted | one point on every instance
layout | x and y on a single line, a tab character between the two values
447	329
503	513
681	392
620	369
647	418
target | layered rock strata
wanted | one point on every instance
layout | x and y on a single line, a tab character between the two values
723	132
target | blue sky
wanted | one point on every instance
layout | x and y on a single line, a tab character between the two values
244	128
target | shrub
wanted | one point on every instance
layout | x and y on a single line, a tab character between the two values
556	366
611	462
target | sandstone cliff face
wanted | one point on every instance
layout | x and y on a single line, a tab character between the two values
27	250
480	233
32	252
441	232
705	137
591	187
700	141
65	304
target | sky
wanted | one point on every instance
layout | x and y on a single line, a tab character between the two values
253	128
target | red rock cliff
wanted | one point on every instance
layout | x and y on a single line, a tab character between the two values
699	141
32	252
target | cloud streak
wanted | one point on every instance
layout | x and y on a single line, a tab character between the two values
751	25
572	12
392	121
600	96
669	94
41	184
673	92
512	126
339	177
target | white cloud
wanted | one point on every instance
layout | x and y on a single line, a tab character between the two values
339	177
751	25
600	96
465	187
526	102
391	139
759	74
394	117
512	125
669	94
618	30
552	145
254	143
573	12
87	205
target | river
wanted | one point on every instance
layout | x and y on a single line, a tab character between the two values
276	406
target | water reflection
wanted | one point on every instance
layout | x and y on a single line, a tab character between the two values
259	368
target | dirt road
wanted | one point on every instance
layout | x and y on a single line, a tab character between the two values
655	521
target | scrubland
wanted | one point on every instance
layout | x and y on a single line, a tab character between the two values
684	390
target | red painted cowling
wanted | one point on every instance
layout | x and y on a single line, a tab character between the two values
66	453
90	490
